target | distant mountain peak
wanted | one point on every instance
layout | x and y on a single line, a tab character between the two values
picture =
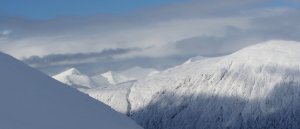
110	77
74	78
71	71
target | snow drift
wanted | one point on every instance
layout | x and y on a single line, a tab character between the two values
32	100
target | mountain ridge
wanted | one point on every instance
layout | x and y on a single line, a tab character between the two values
203	93
261	83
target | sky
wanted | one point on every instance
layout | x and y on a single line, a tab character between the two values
96	35
47	9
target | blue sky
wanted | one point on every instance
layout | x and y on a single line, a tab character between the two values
45	9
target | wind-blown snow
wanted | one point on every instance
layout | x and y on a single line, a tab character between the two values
32	100
256	87
197	58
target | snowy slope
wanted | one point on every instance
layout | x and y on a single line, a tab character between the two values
32	100
256	87
115	96
116	93
76	79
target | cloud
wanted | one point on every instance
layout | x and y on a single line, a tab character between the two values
153	35
101	65
270	24
155	26
6	32
183	30
77	58
204	9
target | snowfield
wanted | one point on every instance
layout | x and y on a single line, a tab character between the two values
256	87
32	100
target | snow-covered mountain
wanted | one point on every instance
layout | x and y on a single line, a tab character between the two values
256	87
113	77
100	81
76	79
134	73
32	100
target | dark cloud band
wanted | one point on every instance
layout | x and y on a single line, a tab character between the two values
77	58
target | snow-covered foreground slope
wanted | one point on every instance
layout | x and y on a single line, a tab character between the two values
256	87
32	100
